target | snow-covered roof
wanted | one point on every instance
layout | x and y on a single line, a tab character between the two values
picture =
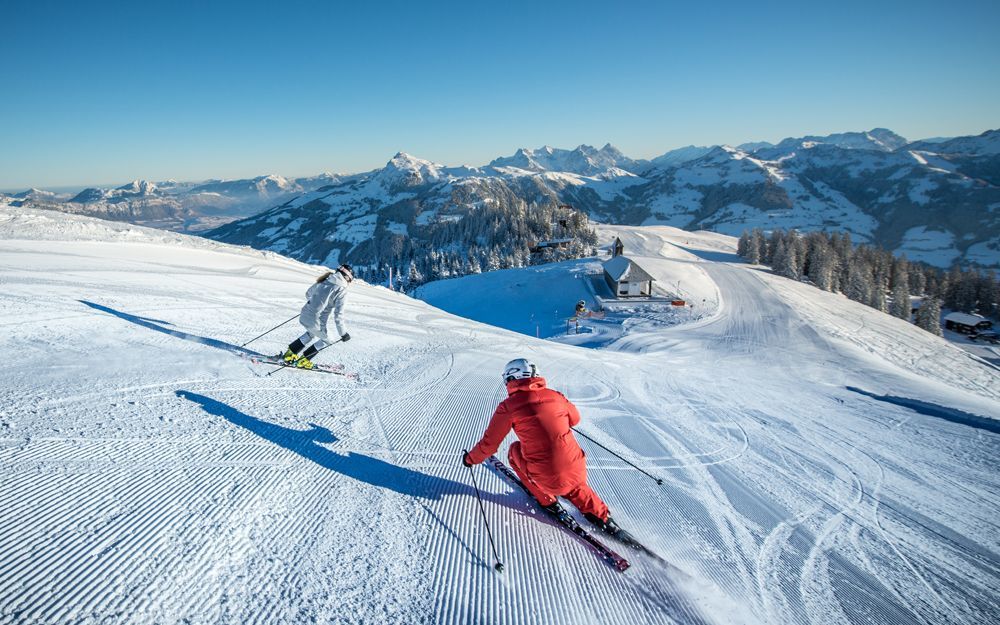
622	268
964	318
554	242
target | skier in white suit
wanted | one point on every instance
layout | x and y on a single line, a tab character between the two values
326	296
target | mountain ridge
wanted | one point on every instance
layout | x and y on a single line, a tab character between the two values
935	200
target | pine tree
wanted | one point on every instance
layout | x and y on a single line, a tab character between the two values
800	252
788	264
954	278
900	273
493	260
929	315
964	295
900	289
777	236
413	275
779	256
821	266
881	269
859	287
879	301
901	306
917	280
743	246
755	247
988	294
758	246
843	250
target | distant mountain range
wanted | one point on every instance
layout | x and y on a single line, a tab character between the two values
182	206
937	200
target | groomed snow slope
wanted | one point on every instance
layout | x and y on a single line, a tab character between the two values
149	475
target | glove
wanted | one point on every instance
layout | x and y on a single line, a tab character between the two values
465	460
346	336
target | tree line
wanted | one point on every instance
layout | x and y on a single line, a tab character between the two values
495	235
873	276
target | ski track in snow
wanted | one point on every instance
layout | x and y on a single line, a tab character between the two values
151	477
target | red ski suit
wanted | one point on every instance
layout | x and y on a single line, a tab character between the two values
547	458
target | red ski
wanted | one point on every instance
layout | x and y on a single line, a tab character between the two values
567	521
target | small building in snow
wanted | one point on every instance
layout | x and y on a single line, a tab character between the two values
627	279
965	323
536	248
617	248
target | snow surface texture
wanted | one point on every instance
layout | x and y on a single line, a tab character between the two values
149	475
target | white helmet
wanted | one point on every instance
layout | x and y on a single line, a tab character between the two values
518	369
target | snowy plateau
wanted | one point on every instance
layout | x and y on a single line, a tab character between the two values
821	462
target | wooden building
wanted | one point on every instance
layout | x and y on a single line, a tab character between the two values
965	323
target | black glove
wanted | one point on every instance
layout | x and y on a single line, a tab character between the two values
465	460
345	337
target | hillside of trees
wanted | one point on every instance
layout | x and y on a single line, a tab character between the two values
499	235
873	276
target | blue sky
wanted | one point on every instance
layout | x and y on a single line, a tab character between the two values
105	94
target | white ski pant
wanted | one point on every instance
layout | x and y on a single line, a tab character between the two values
309	337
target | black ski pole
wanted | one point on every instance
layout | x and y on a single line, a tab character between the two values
658	480
269	331
280	367
499	565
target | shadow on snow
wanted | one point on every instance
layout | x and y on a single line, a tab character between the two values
159	326
714	256
933	410
309	444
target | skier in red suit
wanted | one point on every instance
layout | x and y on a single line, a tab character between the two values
546	457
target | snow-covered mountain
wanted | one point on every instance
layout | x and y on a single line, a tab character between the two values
37	195
263	187
977	157
936	202
877	139
173	205
891	198
985	144
584	160
821	461
677	157
134	189
419	219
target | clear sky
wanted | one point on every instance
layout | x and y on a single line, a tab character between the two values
100	93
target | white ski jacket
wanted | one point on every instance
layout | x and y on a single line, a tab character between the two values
322	298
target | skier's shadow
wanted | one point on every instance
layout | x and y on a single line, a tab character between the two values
309	444
160	326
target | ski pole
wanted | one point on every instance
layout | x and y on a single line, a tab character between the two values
280	367
498	566
658	480
269	331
